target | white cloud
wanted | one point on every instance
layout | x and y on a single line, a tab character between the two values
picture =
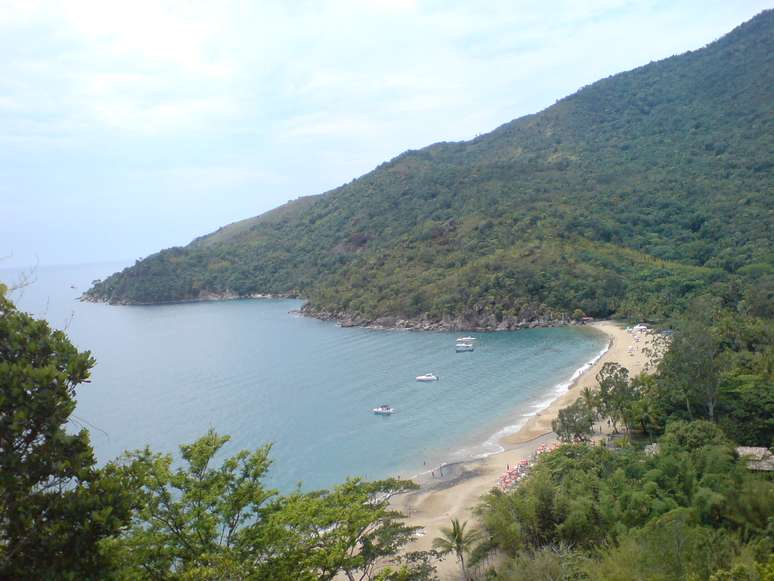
174	68
211	178
328	125
154	118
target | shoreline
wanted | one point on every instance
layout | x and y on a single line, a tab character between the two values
459	486
206	298
498	437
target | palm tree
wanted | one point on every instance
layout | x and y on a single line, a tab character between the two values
456	540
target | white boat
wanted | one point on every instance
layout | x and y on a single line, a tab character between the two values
465	339
383	410
460	347
427	377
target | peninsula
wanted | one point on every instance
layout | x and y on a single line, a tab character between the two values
626	199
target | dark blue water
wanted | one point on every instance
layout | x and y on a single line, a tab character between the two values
165	374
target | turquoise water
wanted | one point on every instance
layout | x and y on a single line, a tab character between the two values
165	374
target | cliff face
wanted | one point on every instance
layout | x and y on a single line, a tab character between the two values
629	197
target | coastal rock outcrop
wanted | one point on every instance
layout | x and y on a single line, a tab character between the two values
469	321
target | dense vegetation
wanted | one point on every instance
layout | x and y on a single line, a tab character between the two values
719	366
55	505
687	509
691	511
626	198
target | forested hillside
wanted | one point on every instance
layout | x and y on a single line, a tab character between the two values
626	198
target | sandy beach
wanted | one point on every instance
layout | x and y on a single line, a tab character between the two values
458	491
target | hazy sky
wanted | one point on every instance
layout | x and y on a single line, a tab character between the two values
128	127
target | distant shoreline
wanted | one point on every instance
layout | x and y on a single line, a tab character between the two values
207	298
466	322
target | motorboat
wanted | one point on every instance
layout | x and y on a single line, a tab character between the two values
461	347
383	410
427	377
465	339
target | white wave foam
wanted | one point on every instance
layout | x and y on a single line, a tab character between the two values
562	388
492	445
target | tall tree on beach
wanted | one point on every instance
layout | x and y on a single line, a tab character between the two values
576	421
456	540
614	392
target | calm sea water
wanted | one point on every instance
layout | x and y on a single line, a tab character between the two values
250	369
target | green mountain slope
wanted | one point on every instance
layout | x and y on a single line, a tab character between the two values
625	198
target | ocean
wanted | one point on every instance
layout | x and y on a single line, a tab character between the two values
255	371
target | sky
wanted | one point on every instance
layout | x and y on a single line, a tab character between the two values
127	127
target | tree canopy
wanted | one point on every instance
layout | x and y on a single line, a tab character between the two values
55	504
203	521
686	508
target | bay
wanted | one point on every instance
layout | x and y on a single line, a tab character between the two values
251	369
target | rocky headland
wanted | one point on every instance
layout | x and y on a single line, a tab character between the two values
469	321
